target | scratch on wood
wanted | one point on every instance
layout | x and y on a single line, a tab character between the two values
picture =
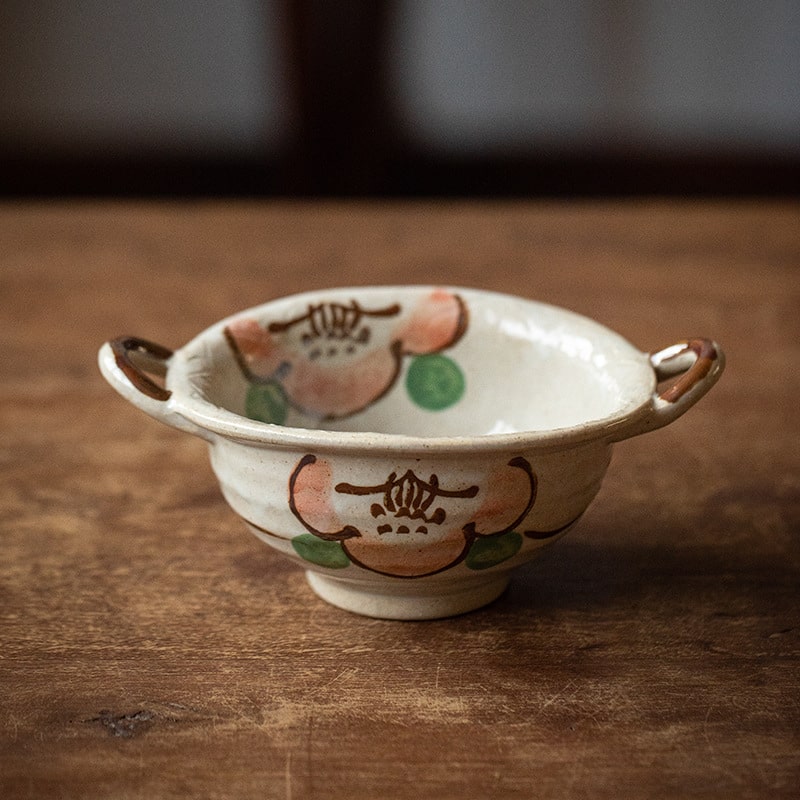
135	723
288	774
348	672
310	755
13	725
558	694
706	726
125	726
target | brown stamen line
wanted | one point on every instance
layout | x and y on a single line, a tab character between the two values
409	497
333	316
392	481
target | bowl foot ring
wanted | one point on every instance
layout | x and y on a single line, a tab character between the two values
369	601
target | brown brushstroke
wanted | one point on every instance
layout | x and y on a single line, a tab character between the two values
409	497
706	356
345	320
544	535
123	346
347	532
341	320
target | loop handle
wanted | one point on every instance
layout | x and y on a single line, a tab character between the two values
124	362
154	355
670	362
699	362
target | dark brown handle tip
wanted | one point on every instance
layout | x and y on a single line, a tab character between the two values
156	356
706	354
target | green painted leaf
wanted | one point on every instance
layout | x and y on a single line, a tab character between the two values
435	382
491	550
320	552
266	402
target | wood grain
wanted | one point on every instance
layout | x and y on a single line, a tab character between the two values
152	648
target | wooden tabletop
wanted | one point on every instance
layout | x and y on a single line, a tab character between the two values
150	647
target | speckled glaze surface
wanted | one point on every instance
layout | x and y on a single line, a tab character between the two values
410	446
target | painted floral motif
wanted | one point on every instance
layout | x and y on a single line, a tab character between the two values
336	359
418	525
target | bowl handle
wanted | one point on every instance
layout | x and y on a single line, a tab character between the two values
699	362
125	362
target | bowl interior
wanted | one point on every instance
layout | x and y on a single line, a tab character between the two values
418	361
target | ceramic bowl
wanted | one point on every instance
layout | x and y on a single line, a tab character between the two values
410	446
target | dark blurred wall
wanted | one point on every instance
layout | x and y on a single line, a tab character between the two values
410	96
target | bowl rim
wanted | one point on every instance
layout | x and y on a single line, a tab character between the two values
187	399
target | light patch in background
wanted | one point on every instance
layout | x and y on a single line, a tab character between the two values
475	77
160	77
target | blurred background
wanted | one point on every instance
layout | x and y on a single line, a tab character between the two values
399	98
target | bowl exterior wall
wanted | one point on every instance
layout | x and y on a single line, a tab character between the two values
408	524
